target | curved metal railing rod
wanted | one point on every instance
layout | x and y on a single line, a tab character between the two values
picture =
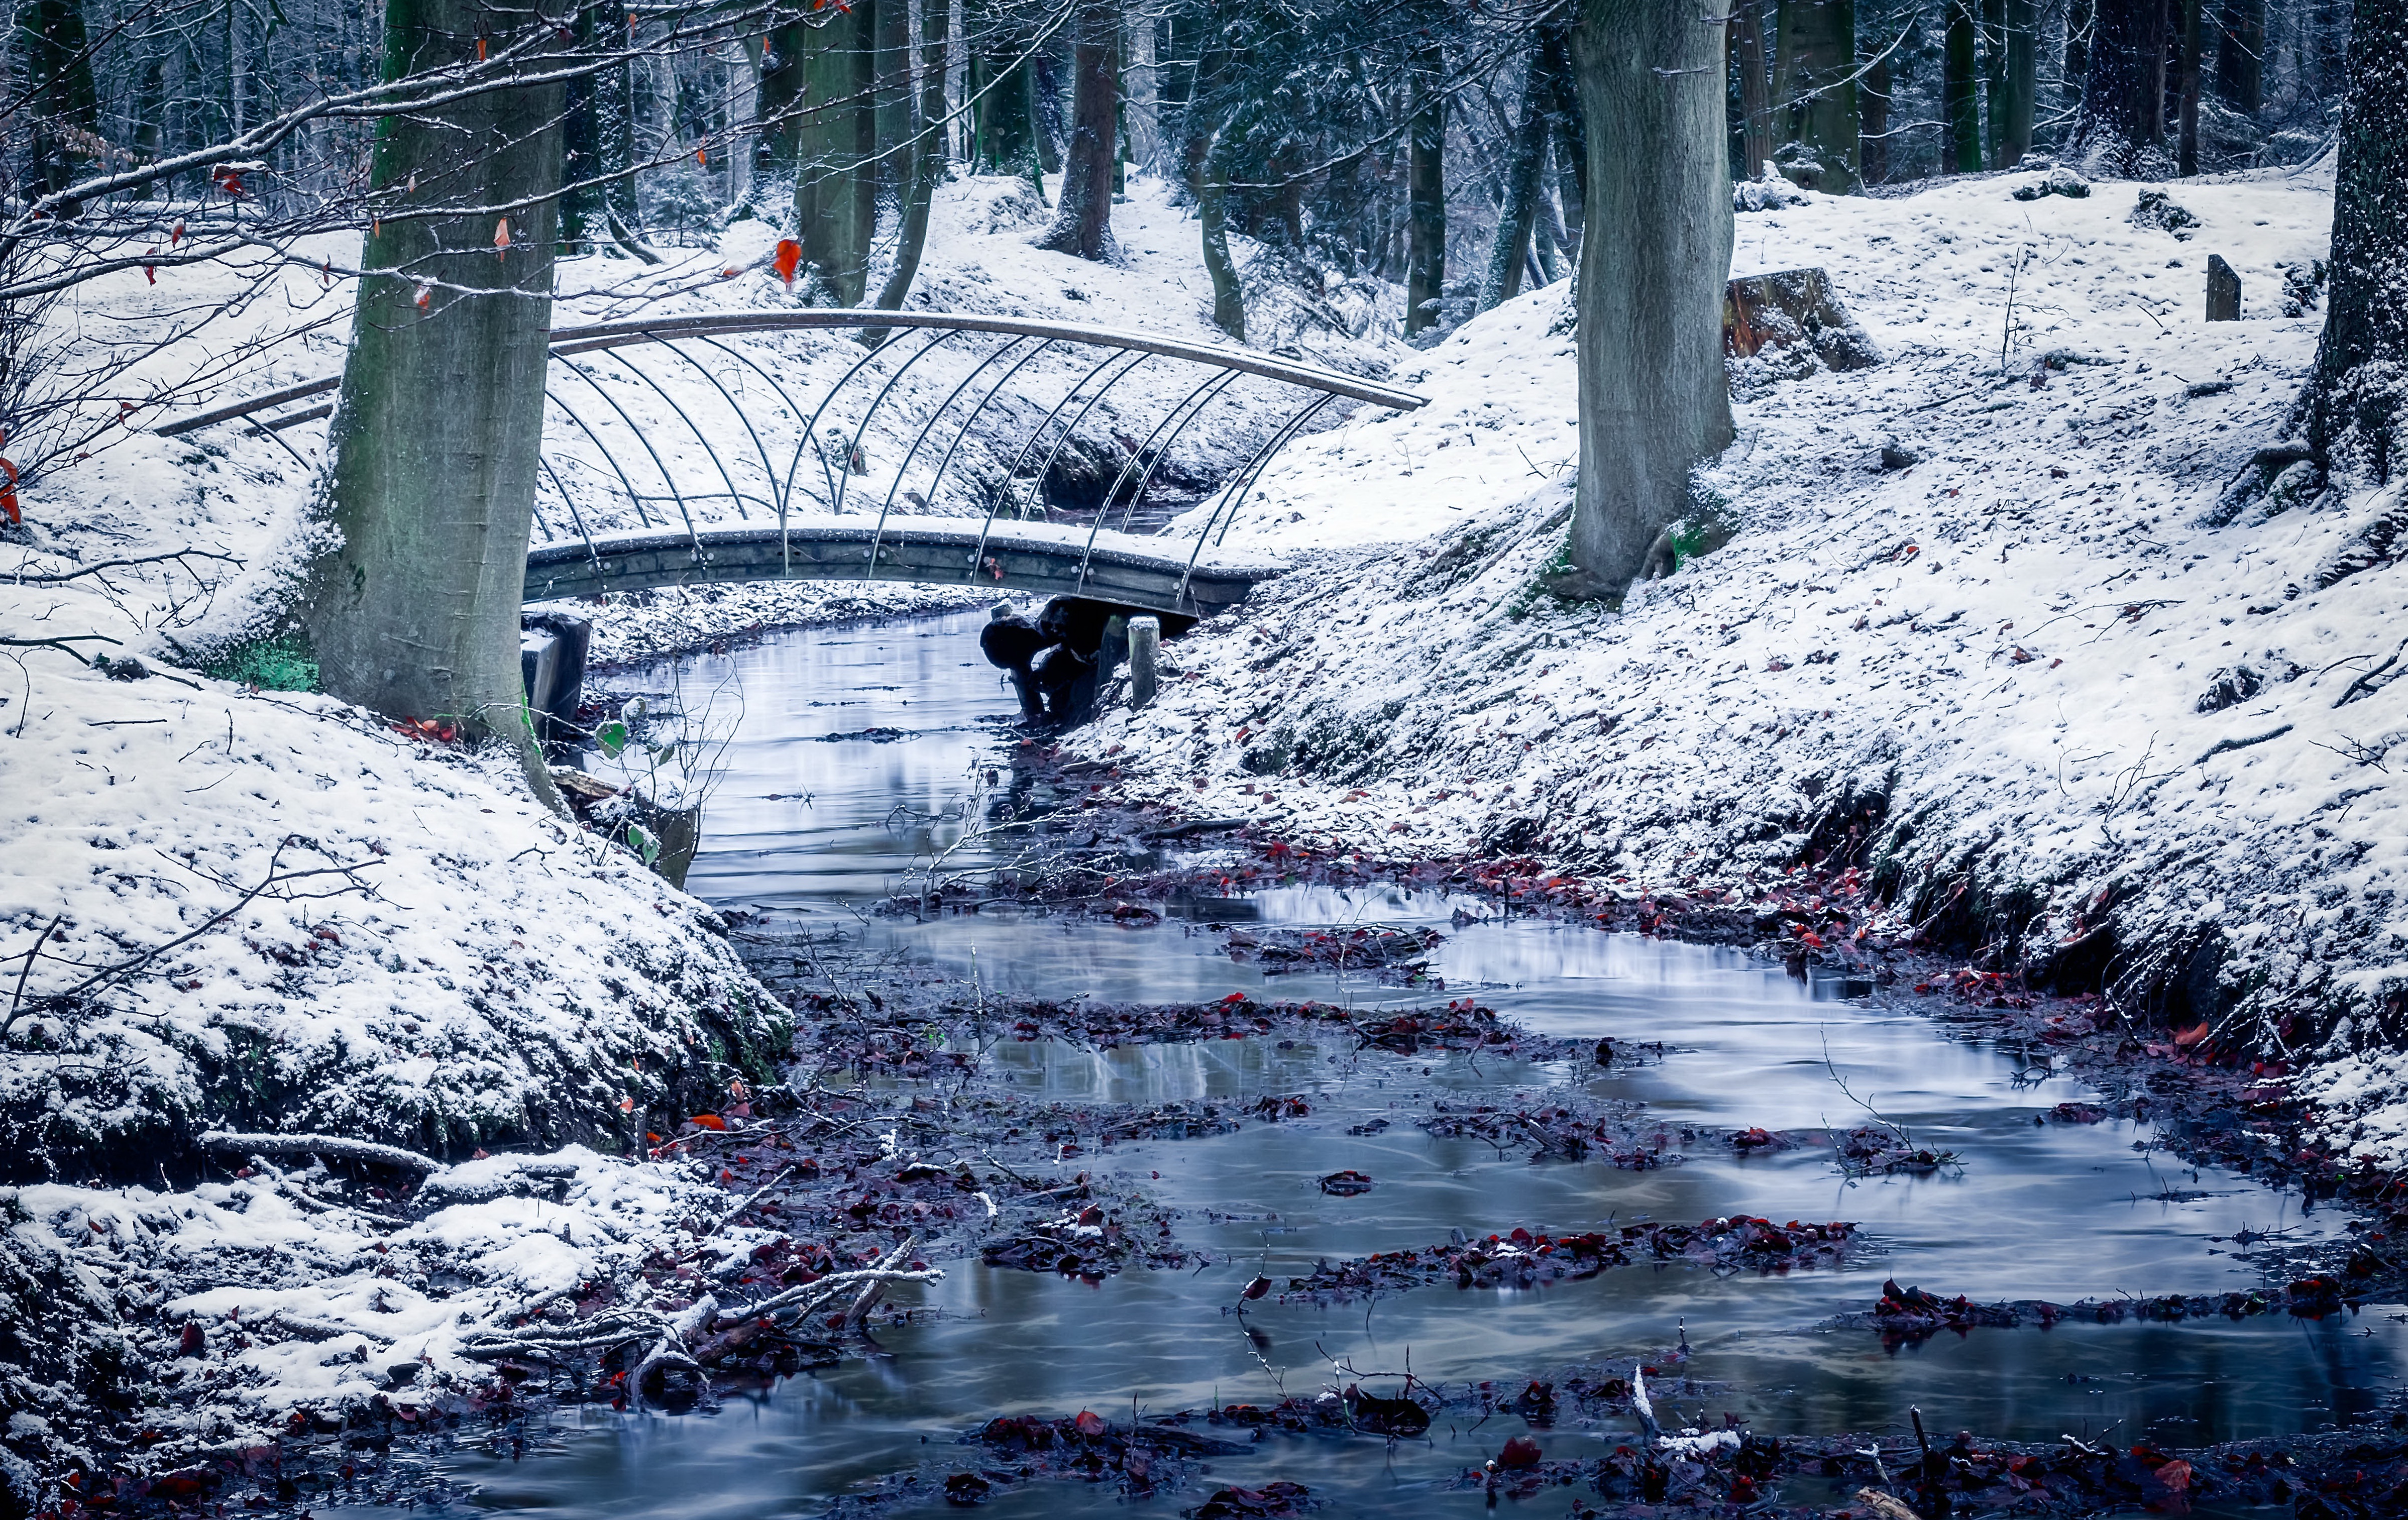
775	384
1247	475
699	437
1145	483
1249	361
670	481
570	340
574	515
1128	514
878	535
768	471
810	437
861	428
1070	429
1039	431
608	457
1263	468
978	550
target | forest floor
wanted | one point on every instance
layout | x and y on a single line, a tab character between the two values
1935	707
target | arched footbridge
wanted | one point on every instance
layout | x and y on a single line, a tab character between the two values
699	464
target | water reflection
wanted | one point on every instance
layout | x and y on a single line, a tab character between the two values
809	827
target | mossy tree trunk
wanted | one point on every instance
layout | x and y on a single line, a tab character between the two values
1960	91
414	613
1655	255
835	148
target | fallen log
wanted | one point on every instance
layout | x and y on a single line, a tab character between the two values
332	1147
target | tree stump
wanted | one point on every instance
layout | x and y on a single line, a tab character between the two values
1144	644
2223	289
1793	310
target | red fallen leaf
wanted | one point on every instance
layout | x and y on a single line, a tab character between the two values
2175	1475
1520	1451
1810	937
1233	998
789	259
1089	1422
2021	656
194	1343
8	492
2187	1038
1346	1183
710	1121
1256	1288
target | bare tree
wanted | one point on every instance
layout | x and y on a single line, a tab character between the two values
1655	253
1083	223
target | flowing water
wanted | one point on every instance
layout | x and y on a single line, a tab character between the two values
810	824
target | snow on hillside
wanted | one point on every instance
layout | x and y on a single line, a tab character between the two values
263	911
1999	642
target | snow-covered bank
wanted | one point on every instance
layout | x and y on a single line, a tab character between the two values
1977	635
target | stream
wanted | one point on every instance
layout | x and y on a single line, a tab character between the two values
810	824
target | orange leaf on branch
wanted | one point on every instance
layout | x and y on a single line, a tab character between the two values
789	259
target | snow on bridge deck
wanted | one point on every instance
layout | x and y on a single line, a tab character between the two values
1052	559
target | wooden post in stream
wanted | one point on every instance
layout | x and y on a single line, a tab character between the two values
1145	643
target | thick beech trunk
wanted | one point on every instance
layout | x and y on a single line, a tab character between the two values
1655	255
433	446
835	141
2017	107
2355	405
2194	44
1082	220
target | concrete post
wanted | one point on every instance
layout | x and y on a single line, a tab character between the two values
1145	643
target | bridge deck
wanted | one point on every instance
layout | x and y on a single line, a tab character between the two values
1122	569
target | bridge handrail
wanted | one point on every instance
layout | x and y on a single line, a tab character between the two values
611	335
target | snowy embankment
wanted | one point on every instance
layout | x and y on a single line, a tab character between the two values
1977	634
263	911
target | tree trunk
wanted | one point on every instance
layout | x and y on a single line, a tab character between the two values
1517	217
1994	81
2355	404
2240	54
2194	42
1426	194
59	99
2118	119
1814	85
1001	84
891	71
836	183
1655	255
1083	223
927	154
1873	100
433	448
2081	17
1208	177
2022	80
1961	100
1754	88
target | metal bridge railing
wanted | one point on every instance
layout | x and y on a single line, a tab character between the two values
1020	340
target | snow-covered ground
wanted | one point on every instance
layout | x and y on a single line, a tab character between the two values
2001	638
2003	635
